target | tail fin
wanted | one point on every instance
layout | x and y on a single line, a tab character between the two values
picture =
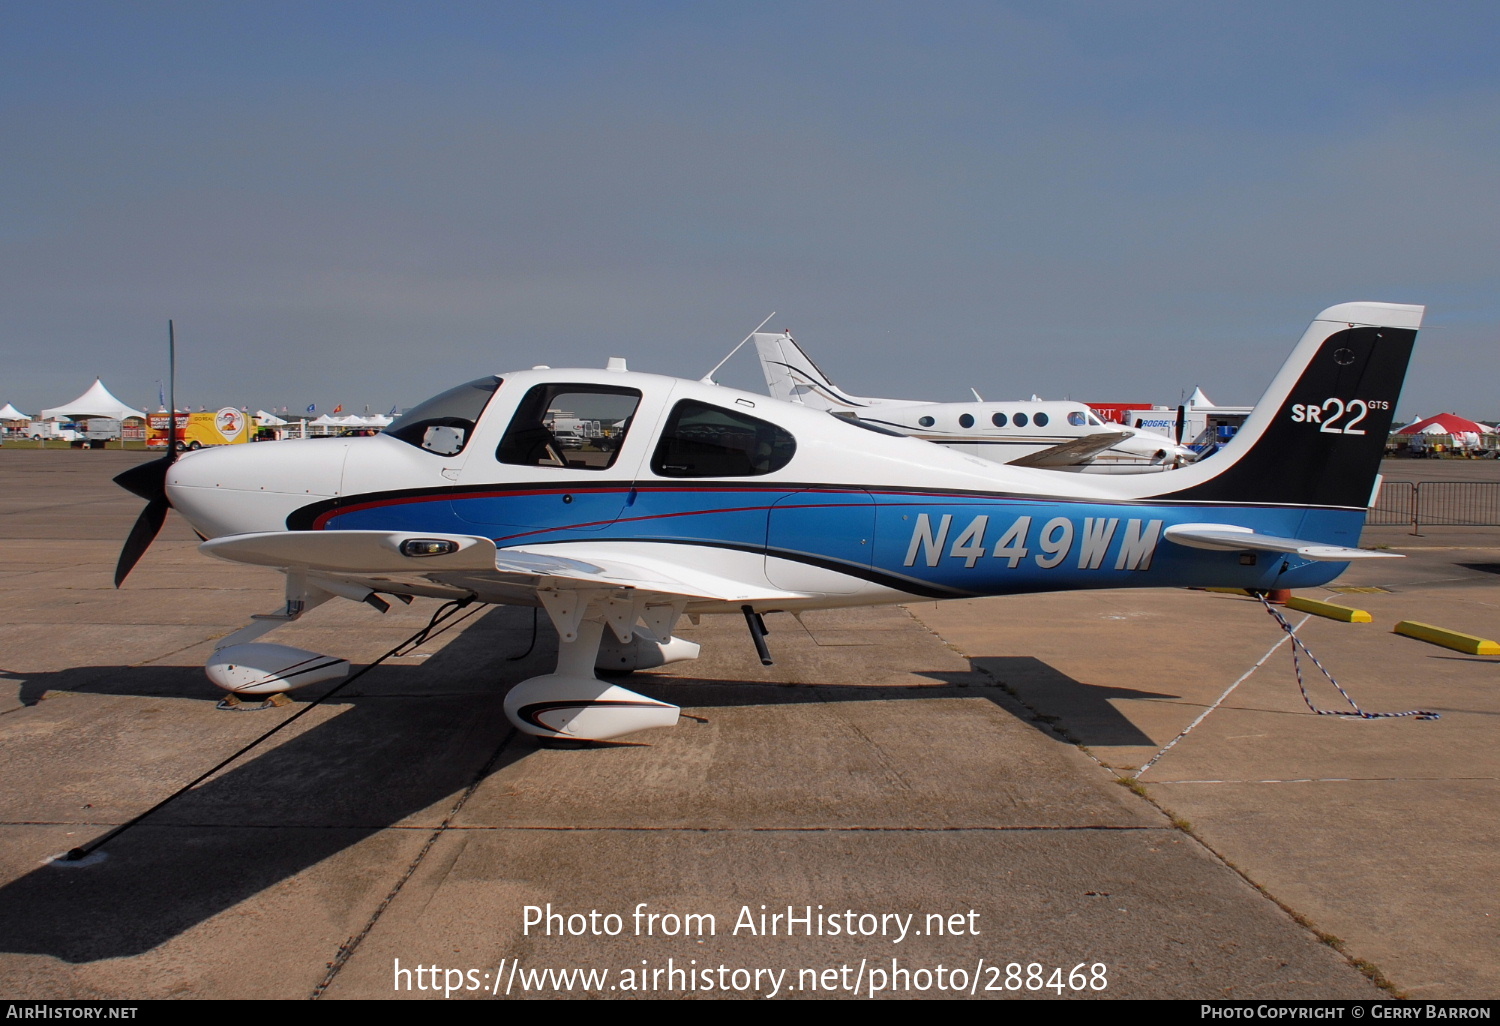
792	377
1318	434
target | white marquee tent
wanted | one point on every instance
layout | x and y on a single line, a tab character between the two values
96	402
330	424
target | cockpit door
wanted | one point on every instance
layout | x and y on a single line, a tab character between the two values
565	463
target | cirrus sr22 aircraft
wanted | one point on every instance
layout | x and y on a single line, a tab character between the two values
694	498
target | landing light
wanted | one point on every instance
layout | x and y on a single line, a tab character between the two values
428	547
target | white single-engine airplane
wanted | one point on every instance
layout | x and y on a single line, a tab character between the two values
1058	435
696	498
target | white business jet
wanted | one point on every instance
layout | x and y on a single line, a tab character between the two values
1059	435
707	500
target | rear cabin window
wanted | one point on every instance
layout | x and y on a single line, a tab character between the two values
577	426
708	441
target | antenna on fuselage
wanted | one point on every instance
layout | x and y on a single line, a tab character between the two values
708	379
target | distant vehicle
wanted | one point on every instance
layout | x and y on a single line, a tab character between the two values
40	429
566	439
199	430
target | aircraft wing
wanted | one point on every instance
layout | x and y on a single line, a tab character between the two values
352	552
1067	454
1229	538
648	573
399	552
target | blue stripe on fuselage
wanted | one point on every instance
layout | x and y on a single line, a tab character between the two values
953	544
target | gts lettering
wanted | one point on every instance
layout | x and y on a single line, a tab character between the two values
1327	413
1135	542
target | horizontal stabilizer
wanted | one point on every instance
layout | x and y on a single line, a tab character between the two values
1079	450
1229	538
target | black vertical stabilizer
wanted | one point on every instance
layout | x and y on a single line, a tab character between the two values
1322	442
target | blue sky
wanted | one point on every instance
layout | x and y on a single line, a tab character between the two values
363	203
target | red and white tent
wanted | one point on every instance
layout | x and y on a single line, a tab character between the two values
1464	431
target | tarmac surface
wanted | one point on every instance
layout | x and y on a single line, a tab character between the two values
955	763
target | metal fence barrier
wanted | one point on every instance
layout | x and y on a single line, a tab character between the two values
1394	506
1437	503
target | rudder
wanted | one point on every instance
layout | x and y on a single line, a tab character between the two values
1318	434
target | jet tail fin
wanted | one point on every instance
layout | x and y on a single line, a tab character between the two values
792	377
1317	436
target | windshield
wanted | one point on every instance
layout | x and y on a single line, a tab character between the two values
444	423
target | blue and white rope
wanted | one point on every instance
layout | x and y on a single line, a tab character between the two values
1421	714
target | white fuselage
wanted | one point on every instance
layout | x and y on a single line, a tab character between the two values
1002	432
1006	431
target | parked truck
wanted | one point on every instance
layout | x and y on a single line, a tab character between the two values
199	430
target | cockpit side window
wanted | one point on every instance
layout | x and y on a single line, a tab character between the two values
565	425
444	424
709	441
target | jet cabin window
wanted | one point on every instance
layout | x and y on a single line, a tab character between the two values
444	423
706	441
576	426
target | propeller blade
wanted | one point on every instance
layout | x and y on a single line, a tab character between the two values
148	480
141	535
